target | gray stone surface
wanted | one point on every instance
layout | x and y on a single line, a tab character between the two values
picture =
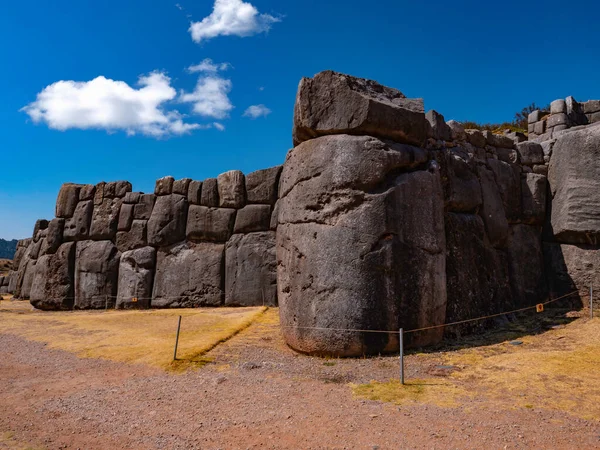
438	127
492	211
143	209
232	189
575	183
136	278
275	217
476	138
168	220
262	186
125	217
385	229
131	198
557	119
558	106
67	200
457	130
181	186
105	219
210	193
534	116
461	186
164	186
332	103
508	181
136	237
253	218
534	187
96	274
251	270
572	268
591	106
189	275
540	127
53	282
210	224
530	153
87	192
77	228
526	266
477	274
498	140
195	192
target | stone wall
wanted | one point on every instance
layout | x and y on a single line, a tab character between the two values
189	244
382	216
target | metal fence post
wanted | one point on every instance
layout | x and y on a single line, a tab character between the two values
591	302
177	340
401	355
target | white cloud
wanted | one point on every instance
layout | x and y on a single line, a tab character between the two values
219	126
231	18
256	111
207	65
111	105
210	97
179	7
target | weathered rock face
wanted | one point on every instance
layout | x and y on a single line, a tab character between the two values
477	274
251	270
167	223
336	210
262	186
253	218
572	268
136	277
77	228
333	103
526	265
53	281
210	224
189	275
232	189
96	274
574	177
105	219
492	211
68	197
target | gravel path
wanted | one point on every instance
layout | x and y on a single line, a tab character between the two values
256	394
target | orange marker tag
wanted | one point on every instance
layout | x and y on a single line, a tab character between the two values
134	300
539	308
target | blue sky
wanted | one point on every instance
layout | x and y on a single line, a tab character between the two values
468	60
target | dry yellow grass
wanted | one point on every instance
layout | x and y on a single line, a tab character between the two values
144	337
559	369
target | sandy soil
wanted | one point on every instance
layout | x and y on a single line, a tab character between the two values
255	394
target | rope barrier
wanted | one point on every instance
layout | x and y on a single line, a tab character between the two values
435	326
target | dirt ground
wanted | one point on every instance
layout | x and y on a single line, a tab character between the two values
257	393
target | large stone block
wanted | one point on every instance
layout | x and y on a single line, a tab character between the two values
143	209
438	129
195	192
508	180
54	236
181	186
333	103
251	270
136	237
168	220
53	282
210	193
574	176
125	217
189	275
344	205
262	186
530	153
492	212
477	274
572	268
136	277
232	189
164	186
534	188
526	264
461	185
87	192
67	200
96	274
210	224
253	218
78	227
105	219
